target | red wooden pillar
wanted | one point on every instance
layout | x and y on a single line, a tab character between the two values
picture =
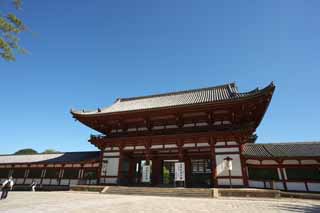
148	158
156	172
181	159
120	175
188	168
213	162
132	168
100	165
244	168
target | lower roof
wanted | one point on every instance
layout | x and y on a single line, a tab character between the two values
269	150
67	157
282	150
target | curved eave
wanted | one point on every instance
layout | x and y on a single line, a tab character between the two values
239	97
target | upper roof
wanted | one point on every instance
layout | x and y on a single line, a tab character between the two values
226	92
67	157
279	150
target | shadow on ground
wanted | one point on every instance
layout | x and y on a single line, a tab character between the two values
300	208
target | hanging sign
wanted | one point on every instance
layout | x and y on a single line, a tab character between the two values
146	174
179	171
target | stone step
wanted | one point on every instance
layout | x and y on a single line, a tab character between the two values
179	192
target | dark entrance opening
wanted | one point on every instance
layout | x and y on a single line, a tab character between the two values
201	173
167	174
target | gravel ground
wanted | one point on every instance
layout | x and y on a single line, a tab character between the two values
80	202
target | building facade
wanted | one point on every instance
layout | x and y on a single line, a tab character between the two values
195	138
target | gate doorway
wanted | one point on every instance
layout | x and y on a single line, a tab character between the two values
201	173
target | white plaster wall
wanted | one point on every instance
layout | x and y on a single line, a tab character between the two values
108	180
226	182
315	187
296	186
231	143
19	181
269	162
140	147
253	162
221	143
128	148
54	182
189	145
46	181
28	181
109	154
170	146
64	182
202	144
233	149
309	162
37	180
279	185
290	162
236	165
156	147
111	167
256	184
74	182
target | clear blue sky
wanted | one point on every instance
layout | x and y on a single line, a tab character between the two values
85	54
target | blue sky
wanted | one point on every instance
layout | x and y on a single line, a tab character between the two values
85	54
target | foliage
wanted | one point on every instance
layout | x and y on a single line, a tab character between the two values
50	151
27	151
10	28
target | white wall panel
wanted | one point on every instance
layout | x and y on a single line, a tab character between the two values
45	181
54	182
233	149
19	181
231	143
256	184
309	162
236	165
111	167
64	182
314	187
269	162
28	181
226	182
109	154
74	182
108	180
296	186
279	185
253	162
290	162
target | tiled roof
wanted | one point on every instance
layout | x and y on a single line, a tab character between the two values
225	92
67	157
278	150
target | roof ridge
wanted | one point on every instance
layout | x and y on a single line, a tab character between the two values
47	153
177	92
287	143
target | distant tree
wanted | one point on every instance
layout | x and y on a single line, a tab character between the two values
50	151
10	28
26	152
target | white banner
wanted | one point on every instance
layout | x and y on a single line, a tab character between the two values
146	174
179	171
